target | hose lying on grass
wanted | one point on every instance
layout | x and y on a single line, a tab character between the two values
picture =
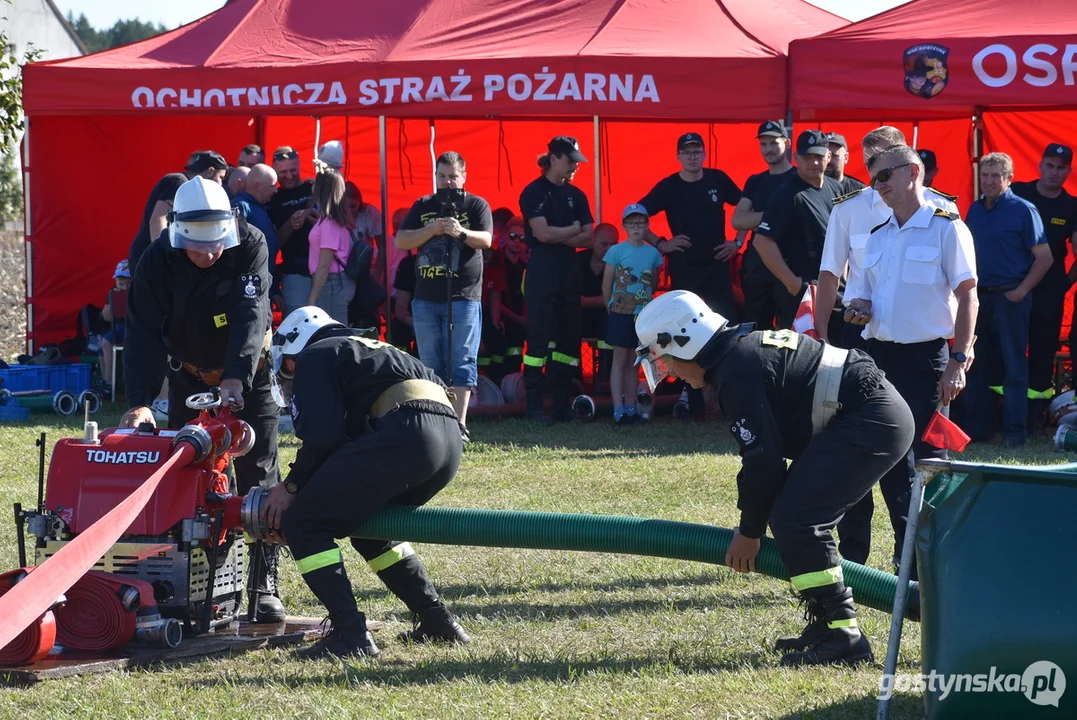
612	534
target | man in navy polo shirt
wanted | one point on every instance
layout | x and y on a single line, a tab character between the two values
1058	212
1012	256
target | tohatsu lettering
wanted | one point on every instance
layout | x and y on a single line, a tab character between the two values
114	457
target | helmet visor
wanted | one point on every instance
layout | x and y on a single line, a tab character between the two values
655	368
210	232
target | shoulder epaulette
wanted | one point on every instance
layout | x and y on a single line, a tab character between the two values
951	198
880	226
939	212
847	196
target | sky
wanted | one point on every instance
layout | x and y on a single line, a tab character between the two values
172	13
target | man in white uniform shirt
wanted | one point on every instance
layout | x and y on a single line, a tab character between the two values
916	291
851	222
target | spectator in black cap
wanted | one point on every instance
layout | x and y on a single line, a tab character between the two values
206	163
694	201
757	282
791	235
931	166
557	221
839	155
1058	210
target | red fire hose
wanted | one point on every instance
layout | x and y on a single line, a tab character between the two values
36	640
101	611
23	604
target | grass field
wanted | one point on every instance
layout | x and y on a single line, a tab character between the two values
556	635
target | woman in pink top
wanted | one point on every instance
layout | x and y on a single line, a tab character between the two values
330	243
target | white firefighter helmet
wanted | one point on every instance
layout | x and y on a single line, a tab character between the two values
295	332
1063	409
202	219
676	324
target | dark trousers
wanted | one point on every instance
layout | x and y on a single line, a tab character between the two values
1002	332
1044	328
914	371
838	468
759	305
716	289
259	466
411	454
552	295
852	337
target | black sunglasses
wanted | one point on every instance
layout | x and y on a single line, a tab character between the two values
286	155
886	174
514	236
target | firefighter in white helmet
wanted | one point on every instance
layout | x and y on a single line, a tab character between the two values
198	310
788	396
378	427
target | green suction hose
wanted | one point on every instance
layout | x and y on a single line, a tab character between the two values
608	533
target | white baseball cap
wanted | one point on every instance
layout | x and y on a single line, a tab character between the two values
332	154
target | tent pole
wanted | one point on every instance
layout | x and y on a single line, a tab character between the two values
915	134
28	233
385	224
433	159
317	137
598	172
977	151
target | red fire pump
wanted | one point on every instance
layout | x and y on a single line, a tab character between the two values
175	559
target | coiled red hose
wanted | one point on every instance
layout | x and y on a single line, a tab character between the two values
33	643
94	616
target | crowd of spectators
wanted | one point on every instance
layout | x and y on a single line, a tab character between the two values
453	256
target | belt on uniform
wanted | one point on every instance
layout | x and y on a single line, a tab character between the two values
827	385
212	378
405	392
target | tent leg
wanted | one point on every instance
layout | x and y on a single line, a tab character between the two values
433	159
317	136
598	172
385	222
28	233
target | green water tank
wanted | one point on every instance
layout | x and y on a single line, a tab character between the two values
996	554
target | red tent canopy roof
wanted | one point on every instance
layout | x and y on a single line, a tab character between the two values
715	59
957	55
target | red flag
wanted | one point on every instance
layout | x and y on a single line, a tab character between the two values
943	433
804	322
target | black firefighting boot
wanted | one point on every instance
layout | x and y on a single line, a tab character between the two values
1037	416
562	404
348	635
602	371
814	631
842	643
262	583
535	412
406	578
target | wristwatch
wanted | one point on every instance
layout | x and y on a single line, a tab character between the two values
462	237
961	357
291	487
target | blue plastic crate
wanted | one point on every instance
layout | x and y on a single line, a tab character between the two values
54	378
14	413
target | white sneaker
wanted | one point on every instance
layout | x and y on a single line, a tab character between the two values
160	410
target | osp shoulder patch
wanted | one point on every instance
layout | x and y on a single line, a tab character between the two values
744	437
251	284
848	196
939	212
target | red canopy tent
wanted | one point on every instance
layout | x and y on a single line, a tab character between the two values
491	79
988	76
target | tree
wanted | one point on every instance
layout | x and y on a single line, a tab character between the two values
122	32
11	89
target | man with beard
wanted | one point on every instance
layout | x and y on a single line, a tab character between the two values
839	156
